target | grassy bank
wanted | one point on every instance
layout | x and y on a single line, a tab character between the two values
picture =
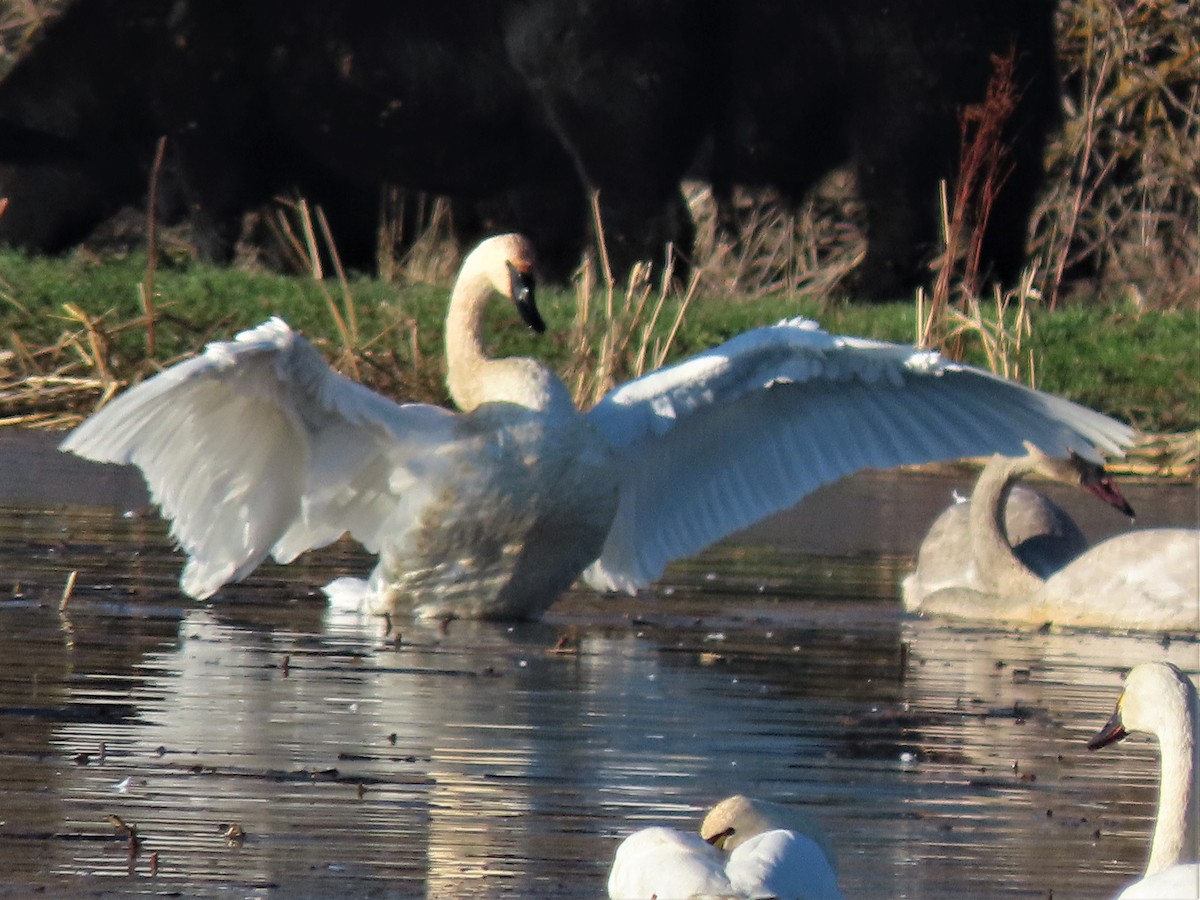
76	328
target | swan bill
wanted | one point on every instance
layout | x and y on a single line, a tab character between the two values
718	840
1113	731
522	294
1096	479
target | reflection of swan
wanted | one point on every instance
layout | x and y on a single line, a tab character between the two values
1160	700
1146	579
257	448
746	848
1042	535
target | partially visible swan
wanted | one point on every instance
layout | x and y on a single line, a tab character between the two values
746	849
738	817
1147	579
257	448
1161	701
1042	535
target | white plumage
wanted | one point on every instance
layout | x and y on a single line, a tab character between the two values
746	848
1160	700
667	864
257	448
1037	568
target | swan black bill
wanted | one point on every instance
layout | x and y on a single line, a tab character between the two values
1112	732
718	840
1097	480
521	291
1106	489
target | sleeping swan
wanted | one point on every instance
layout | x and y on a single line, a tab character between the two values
257	448
1146	579
1161	701
746	848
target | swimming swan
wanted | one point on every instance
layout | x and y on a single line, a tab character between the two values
746	848
1161	701
257	448
1042	535
1147	579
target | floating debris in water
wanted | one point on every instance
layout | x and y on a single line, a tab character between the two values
67	589
129	831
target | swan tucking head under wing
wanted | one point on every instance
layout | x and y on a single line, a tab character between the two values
256	448
746	848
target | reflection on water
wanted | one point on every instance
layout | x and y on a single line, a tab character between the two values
945	761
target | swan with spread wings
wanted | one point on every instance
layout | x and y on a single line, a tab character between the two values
257	448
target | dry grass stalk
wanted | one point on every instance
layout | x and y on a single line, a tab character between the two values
20	21
1170	455
305	233
306	250
1121	213
433	255
146	288
982	169
611	337
954	314
778	249
1002	342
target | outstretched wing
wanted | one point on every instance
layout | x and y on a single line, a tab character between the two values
258	447
720	441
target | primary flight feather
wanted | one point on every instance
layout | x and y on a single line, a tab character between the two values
257	448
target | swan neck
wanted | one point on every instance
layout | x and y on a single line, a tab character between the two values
466	359
999	567
1175	830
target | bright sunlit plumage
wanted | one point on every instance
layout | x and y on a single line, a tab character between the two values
1160	700
1146	579
746	848
257	448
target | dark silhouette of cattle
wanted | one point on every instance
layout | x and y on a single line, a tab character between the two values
518	110
813	85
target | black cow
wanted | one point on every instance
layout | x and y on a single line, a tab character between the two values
812	85
522	108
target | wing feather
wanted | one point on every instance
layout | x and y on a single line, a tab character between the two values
257	447
717	443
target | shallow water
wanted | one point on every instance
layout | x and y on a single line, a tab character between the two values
945	761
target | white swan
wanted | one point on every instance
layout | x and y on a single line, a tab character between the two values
1043	536
746	849
258	448
1161	701
1147	579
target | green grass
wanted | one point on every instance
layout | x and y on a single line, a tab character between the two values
1144	369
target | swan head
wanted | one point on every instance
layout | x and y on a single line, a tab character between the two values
1154	694
1075	469
506	264
721	823
738	818
501	265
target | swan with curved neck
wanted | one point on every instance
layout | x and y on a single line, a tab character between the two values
1147	579
1042	536
474	378
1159	700
746	848
256	449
